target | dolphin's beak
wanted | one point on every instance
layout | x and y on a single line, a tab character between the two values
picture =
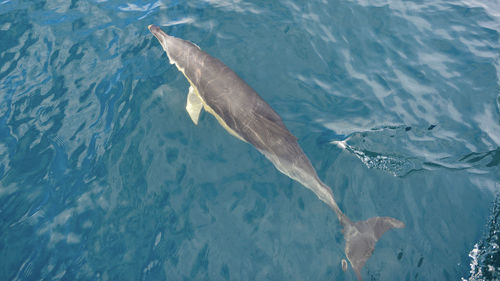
153	28
157	32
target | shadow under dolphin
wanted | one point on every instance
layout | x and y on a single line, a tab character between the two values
245	115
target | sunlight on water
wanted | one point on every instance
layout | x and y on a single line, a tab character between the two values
103	175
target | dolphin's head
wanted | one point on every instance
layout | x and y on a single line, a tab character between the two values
160	35
177	49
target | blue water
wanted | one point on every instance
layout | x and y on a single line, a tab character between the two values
103	176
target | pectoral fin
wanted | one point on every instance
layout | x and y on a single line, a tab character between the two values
194	105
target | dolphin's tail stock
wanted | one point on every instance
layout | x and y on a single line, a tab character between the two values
361	237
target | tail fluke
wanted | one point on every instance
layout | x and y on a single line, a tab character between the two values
361	237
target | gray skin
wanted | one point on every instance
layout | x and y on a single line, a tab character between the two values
237	106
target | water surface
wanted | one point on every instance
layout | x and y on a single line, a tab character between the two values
103	176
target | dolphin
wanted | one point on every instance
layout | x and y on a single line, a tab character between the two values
245	115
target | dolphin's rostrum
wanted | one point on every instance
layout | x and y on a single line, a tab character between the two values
244	114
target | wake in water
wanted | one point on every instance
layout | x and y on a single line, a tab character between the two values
401	150
394	162
485	264
396	166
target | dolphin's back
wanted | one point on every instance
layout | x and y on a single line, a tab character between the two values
234	101
226	94
240	108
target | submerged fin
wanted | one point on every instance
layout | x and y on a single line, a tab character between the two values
194	105
362	236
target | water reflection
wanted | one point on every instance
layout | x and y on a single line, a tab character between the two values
103	176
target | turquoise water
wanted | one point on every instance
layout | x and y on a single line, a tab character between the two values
103	176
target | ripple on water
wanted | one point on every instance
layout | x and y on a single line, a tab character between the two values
103	175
